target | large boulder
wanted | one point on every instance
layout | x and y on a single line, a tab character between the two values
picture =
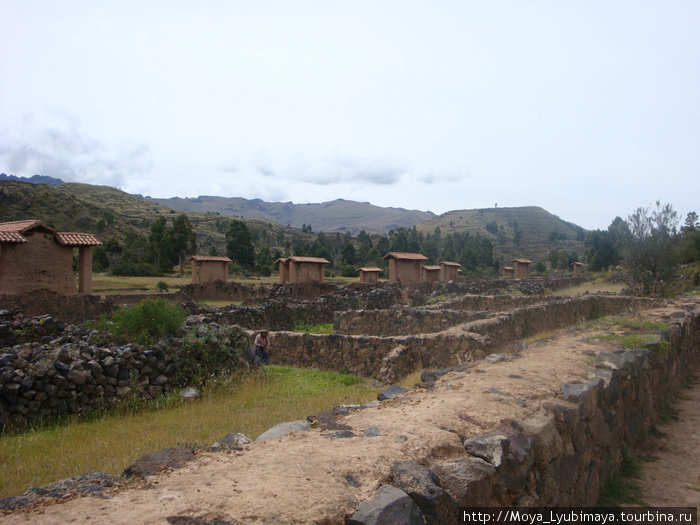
284	429
425	489
390	506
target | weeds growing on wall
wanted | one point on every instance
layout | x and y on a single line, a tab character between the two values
207	352
144	323
621	486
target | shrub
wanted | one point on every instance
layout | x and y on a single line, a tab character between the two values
146	322
162	286
349	271
209	351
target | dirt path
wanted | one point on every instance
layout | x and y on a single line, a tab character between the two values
672	479
309	475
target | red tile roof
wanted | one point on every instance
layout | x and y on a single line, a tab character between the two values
77	239
6	236
14	232
449	263
432	268
370	269
210	258
300	259
405	256
522	261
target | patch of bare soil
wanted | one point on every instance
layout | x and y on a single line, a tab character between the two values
672	477
315	476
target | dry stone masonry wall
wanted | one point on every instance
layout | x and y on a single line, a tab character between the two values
560	456
389	358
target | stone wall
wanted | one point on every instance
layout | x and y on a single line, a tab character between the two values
389	358
66	308
48	369
428	319
283	313
562	455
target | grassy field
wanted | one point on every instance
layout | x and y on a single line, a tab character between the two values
113	441
105	284
597	285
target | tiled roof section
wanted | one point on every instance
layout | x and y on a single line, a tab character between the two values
432	268
11	237
299	259
210	258
406	256
522	261
370	269
77	239
449	263
22	226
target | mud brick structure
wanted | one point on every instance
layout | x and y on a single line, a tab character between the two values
206	269
297	269
404	267
370	275
34	257
430	274
449	271
508	272
521	268
577	268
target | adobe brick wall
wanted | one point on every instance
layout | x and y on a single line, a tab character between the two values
39	263
210	271
305	272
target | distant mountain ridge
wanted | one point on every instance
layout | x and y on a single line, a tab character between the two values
34	179
340	215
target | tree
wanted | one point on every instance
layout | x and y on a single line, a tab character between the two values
182	240
157	245
690	241
239	244
650	251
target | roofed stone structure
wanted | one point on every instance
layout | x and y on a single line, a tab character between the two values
209	268
370	274
430	274
449	270
521	268
34	256
299	269
577	267
404	267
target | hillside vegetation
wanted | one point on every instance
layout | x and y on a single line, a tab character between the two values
526	231
481	240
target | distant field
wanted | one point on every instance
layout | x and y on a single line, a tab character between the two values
597	285
105	284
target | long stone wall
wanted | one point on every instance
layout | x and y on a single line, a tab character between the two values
48	369
389	358
559	456
66	308
430	318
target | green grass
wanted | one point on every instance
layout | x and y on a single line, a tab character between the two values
631	332
325	328
621	486
109	443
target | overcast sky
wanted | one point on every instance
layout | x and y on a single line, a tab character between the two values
585	108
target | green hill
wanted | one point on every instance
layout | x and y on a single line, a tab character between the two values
109	212
540	232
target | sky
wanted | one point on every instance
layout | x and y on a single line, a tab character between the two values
588	109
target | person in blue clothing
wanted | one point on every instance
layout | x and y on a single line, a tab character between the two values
262	345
